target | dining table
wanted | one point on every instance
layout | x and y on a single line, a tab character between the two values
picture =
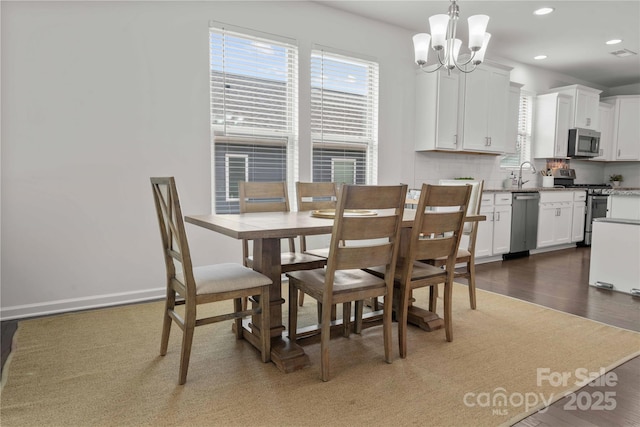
266	229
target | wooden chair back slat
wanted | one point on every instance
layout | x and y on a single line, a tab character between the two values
374	227
263	197
435	248
351	257
316	195
440	222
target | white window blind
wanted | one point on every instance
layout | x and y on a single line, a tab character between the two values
254	111
523	144
344	117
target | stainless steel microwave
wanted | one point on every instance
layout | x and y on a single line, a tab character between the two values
583	143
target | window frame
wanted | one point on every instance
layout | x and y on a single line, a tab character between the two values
527	134
227	156
265	84
321	139
345	161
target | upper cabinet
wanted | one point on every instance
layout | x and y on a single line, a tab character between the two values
463	112
626	127
606	133
584	106
484	109
551	125
436	111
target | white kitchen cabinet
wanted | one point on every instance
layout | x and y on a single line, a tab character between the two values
484	112
494	234
606	133
555	218
626	127
584	107
579	215
436	111
551	127
513	113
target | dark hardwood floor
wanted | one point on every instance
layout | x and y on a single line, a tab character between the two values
557	280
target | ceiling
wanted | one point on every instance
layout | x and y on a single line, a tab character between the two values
573	36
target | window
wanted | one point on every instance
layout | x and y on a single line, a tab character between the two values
343	171
236	169
344	117
254	111
523	144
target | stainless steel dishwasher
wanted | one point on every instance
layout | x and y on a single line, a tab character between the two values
524	223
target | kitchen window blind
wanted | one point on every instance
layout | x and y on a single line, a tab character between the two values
523	144
344	117
254	111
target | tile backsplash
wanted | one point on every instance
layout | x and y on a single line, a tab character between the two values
430	167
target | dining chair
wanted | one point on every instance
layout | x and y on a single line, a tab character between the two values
313	196
365	233
467	254
273	197
436	232
192	286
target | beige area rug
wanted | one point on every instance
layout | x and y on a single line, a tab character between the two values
102	368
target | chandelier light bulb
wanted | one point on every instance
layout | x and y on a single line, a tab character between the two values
479	56
477	29
438	24
421	47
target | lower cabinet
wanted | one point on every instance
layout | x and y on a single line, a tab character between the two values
579	216
494	234
555	218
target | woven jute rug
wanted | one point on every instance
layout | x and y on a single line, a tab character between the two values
508	358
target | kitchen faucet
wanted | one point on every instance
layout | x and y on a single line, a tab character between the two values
520	181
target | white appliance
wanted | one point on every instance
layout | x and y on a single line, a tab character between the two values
615	251
624	205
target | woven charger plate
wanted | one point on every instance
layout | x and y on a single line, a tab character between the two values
331	213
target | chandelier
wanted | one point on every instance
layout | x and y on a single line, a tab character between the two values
443	40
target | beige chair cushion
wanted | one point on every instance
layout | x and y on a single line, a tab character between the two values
211	279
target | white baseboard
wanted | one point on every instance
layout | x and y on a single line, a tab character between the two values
552	248
77	304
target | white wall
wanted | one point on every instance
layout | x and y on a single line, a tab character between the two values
99	96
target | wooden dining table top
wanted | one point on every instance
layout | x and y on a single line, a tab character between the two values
266	225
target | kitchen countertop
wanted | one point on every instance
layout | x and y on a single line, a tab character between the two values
534	189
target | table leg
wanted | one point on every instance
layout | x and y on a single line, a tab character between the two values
427	320
287	356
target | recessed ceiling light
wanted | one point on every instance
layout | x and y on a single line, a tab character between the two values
540	57
614	41
543	11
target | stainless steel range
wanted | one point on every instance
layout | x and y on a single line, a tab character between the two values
596	199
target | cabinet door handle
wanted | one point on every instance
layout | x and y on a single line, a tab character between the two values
490	141
455	140
498	216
